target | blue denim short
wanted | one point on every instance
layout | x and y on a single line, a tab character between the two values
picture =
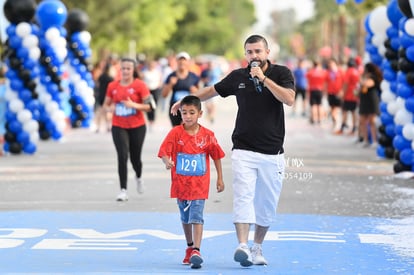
191	211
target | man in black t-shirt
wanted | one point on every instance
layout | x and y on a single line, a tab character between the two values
258	163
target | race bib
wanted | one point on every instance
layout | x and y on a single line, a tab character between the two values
122	110
178	95
191	164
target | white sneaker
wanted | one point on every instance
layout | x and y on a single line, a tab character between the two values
243	255
140	185
257	255
123	196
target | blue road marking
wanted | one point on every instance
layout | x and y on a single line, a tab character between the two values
123	242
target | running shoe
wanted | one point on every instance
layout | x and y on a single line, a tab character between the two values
140	185
195	259
243	255
123	196
186	259
257	255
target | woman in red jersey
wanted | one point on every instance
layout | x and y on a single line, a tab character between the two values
129	98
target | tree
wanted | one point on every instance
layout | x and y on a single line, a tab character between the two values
159	26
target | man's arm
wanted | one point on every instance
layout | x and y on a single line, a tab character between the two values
284	95
204	94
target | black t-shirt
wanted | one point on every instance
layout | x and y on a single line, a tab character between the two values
260	121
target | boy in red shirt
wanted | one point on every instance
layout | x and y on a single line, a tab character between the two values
186	150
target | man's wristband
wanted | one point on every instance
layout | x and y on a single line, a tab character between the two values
264	78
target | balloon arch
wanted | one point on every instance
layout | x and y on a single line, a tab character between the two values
47	78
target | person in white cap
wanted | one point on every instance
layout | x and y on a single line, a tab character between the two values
181	82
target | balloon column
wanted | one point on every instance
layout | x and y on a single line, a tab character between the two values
22	55
51	15
80	78
404	138
390	101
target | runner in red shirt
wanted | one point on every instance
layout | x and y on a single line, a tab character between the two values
316	84
334	82
350	96
128	98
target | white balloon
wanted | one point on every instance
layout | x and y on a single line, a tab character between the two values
378	20
402	117
385	86
34	53
400	102
34	137
378	40
392	107
85	37
409	26
387	96
16	105
31	126
24	115
408	131
9	95
52	34
30	41
51	106
382	49
23	29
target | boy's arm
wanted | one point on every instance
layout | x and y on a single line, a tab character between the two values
168	162
220	182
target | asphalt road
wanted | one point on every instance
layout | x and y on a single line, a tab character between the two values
326	174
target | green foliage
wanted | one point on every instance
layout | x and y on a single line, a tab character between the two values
160	26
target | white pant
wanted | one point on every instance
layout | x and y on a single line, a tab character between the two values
257	183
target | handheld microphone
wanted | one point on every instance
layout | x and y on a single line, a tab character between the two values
256	81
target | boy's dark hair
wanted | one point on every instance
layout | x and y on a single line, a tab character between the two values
191	100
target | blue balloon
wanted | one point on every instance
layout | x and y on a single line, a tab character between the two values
23	137
51	13
404	91
380	151
395	43
11	30
398	129
366	24
389	75
29	148
400	143
393	13
386	118
409	104
406	40
392	32
15	42
409	52
6	147
390	130
406	156
15	126
16	84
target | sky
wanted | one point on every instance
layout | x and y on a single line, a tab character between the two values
303	8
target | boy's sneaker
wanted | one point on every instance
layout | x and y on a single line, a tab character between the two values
257	256
140	185
186	259
195	259
243	255
123	196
